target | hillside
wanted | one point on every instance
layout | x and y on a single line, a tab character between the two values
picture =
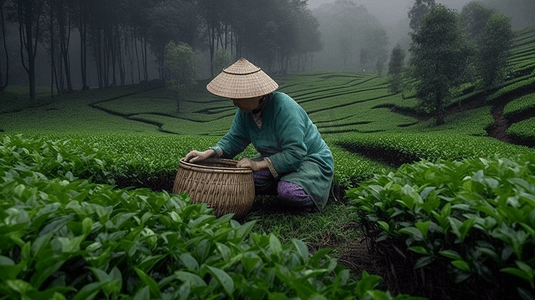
80	168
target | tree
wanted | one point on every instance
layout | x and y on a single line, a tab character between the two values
344	31
473	19
440	56
211	13
308	39
395	69
222	60
28	15
493	49
376	43
418	11
181	68
3	84
380	63
171	21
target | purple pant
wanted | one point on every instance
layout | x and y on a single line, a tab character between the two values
290	194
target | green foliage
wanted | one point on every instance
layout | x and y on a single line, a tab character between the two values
522	86
181	66
399	148
523	131
221	60
440	58
478	213
473	20
418	12
68	238
395	69
518	107
493	52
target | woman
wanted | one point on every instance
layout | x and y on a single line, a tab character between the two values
295	163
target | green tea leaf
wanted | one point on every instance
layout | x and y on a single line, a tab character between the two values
451	254
275	244
249	263
301	247
89	291
423	227
142	294
193	279
419	249
367	283
20	286
189	261
423	261
384	225
223	278
224	250
151	283
461	264
414	232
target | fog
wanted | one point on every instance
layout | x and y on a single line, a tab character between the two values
351	31
392	16
392	11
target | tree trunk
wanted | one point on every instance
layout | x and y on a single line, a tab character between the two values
211	42
137	56
120	62
64	42
98	56
26	14
52	49
5	83
145	59
83	47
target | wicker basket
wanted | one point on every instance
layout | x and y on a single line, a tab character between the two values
218	183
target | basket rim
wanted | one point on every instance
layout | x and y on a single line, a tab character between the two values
208	169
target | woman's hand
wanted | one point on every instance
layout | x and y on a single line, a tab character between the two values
195	156
254	165
247	163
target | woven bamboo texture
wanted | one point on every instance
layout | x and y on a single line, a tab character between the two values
218	183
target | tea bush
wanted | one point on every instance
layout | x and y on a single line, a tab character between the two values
523	131
402	148
67	238
519	106
477	213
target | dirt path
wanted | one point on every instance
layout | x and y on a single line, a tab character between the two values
499	128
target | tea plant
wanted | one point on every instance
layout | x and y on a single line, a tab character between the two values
524	131
68	238
519	106
411	147
523	84
477	213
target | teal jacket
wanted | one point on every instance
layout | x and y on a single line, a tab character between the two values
290	140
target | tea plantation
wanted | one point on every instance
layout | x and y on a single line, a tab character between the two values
87	211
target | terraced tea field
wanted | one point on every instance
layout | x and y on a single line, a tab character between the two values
75	173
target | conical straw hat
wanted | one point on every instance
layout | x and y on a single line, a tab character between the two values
242	80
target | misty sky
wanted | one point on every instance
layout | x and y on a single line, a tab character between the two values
391	11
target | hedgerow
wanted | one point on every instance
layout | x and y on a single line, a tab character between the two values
523	85
400	148
64	237
478	214
518	106
523	132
